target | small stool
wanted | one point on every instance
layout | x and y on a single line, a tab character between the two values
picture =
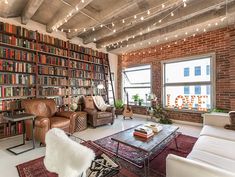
81	121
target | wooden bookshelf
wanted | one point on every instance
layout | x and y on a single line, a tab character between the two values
35	65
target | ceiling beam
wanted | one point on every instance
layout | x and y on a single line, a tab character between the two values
59	19
192	10
113	12
120	27
29	10
180	28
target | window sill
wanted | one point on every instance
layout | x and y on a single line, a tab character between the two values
187	111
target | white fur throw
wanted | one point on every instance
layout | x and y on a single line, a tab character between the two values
99	102
64	156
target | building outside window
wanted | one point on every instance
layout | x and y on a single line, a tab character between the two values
197	70
137	80
194	92
186	72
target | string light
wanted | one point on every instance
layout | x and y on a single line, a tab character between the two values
113	25
135	16
142	18
83	1
93	29
123	21
114	30
94	39
148	12
163	5
172	14
84	29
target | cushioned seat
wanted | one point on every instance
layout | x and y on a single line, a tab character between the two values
212	159
216	146
218	132
59	122
101	115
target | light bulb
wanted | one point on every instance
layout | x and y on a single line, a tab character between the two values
83	1
216	24
185	4
142	18
163	5
133	37
148	12
160	21
186	33
197	29
114	30
113	25
94	39
6	2
172	14
84	29
69	30
93	29
135	17
101	25
62	30
123	21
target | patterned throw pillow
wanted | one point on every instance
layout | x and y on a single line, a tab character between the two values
89	103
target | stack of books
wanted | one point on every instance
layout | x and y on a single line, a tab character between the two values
156	128
143	132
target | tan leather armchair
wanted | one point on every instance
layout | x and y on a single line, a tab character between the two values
95	116
47	118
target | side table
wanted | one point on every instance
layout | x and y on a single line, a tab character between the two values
22	117
81	121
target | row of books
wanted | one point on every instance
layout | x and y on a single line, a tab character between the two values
46	80
21	55
17	30
51	60
81	91
16	91
19	42
6	65
54	91
52	49
53	41
48	70
80	82
85	66
10	129
81	74
7	105
62	100
85	57
17	79
89	51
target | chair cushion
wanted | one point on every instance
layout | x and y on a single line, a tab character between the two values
59	122
218	132
101	115
89	103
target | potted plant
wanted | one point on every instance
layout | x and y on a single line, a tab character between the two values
140	102
119	107
136	98
161	114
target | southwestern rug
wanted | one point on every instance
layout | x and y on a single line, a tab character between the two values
36	168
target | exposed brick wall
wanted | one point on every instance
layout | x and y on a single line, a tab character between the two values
221	42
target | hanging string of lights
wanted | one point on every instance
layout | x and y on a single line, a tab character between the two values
111	26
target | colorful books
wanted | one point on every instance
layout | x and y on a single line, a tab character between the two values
143	132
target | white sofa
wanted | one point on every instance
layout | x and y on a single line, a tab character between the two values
213	154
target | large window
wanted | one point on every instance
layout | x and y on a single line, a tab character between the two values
194	92
137	80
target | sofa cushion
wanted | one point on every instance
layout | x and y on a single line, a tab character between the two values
216	146
212	159
101	115
59	122
218	132
89	103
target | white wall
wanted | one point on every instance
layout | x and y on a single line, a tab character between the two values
32	25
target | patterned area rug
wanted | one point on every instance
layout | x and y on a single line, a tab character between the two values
36	168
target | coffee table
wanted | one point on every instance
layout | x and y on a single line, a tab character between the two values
168	133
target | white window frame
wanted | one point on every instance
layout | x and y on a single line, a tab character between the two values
212	81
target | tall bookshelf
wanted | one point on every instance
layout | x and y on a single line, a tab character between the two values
35	65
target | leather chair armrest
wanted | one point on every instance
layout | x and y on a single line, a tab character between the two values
42	122
66	114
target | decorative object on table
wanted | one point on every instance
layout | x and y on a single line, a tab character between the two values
155	127
95	117
72	161
231	126
73	106
140	102
136	98
143	132
127	109
119	106
18	118
81	121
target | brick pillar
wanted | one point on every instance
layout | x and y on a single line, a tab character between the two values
232	69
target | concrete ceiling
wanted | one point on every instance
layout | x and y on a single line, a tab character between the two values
86	14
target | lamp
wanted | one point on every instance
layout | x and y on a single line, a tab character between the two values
100	87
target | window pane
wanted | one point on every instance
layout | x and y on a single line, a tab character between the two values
140	91
197	70
186	90
207	70
186	72
175	97
138	76
197	89
175	72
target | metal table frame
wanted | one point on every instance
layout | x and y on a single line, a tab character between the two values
22	117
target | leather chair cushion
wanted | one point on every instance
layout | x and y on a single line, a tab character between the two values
59	122
101	115
89	103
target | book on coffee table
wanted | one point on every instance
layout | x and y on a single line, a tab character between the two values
155	127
